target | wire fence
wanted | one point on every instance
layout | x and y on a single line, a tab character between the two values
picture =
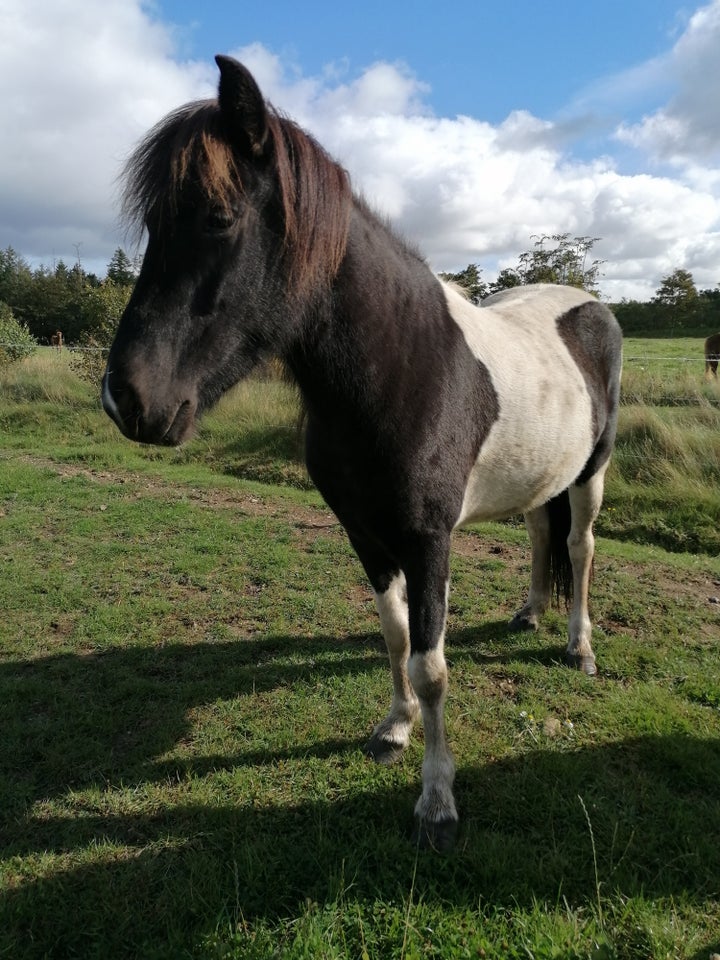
628	399
80	348
699	360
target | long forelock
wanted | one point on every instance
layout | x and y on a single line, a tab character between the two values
185	144
314	191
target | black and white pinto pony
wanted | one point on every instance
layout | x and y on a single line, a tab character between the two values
423	411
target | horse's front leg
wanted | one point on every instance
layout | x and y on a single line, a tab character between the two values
392	735
428	582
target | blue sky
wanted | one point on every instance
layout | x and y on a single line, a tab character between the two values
482	59
473	126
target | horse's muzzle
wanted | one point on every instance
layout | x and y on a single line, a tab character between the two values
168	424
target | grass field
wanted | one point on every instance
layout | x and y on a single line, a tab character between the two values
190	662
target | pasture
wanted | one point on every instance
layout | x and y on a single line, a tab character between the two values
190	661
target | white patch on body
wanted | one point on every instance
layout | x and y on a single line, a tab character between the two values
543	435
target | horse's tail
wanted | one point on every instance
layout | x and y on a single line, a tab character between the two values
561	579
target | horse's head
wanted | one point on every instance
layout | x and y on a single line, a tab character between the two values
245	214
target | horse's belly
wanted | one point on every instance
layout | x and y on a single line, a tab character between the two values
533	452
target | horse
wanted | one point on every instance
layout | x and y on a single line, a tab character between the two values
712	354
423	412
56	340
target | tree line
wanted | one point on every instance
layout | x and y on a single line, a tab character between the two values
84	307
35	303
678	307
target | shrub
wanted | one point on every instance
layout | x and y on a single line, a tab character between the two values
89	361
16	341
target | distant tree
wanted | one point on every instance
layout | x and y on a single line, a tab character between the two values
65	298
554	258
677	300
712	296
120	269
15	277
637	317
565	261
102	308
62	272
470	280
708	311
677	289
506	280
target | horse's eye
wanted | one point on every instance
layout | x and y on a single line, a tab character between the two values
220	220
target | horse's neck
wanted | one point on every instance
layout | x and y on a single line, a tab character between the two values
383	313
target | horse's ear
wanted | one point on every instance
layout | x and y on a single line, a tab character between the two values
242	105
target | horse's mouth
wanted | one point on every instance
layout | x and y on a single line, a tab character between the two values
181	429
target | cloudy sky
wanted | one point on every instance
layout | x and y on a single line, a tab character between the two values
474	126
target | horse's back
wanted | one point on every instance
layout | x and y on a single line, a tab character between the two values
537	294
524	329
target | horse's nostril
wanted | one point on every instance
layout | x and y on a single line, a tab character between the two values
121	404
108	401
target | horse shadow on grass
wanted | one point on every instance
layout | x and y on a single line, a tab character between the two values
639	816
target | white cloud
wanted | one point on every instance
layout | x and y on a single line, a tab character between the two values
81	82
88	79
688	125
465	190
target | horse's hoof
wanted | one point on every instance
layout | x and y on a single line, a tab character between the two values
582	661
437	836
383	751
523	621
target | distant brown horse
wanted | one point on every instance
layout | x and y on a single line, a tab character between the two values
712	354
56	340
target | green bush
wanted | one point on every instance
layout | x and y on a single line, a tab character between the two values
16	341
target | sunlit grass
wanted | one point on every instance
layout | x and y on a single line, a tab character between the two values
190	662
46	375
663	480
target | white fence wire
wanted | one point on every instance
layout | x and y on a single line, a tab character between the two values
78	348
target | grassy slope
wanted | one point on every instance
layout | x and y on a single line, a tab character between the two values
189	663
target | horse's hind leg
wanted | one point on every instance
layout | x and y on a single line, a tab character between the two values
538	527
585	503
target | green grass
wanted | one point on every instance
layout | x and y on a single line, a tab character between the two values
190	662
663	482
